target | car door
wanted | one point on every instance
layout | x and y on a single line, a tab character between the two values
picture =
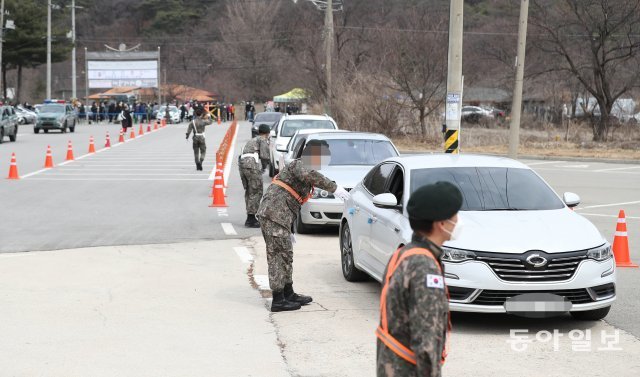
387	225
365	215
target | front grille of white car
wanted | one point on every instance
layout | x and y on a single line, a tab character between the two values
511	267
491	297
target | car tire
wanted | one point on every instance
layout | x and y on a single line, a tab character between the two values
301	227
272	172
46	131
13	137
1	135
349	269
73	128
36	130
591	315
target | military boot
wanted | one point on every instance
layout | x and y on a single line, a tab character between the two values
290	295
252	222
280	304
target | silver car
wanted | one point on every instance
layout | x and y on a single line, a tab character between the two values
353	154
302	135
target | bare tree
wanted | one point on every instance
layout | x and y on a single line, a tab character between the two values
595	41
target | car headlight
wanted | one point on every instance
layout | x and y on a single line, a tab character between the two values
321	194
457	255
600	253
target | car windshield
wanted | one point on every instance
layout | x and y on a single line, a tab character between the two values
359	151
267	117
52	109
289	127
492	188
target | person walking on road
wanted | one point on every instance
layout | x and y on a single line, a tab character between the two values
126	120
199	144
414	306
277	212
254	155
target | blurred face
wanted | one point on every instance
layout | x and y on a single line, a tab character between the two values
316	158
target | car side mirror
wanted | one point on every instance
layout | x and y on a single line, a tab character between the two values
571	199
386	200
272	133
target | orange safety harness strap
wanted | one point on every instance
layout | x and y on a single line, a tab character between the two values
382	332
291	191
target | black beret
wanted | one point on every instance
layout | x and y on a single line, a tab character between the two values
264	129
435	202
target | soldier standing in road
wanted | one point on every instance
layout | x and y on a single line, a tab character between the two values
278	210
254	154
414	307
199	144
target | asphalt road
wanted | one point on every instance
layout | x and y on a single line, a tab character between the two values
147	191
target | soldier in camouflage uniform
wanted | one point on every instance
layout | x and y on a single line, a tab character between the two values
253	156
199	144
278	210
414	318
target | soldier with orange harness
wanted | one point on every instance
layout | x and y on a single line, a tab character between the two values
278	210
414	306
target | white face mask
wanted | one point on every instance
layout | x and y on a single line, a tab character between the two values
457	229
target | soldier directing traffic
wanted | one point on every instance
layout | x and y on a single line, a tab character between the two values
280	205
254	154
199	144
414	307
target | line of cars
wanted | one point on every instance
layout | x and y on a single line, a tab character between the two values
520	236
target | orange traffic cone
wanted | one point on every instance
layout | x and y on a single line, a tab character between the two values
140	130
48	161
155	125
218	191
149	127
621	243
163	123
92	146
107	143
219	122
13	169
70	152
132	134
121	139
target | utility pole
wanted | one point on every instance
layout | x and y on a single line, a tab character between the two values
1	42
73	51
48	49
516	105
328	26
454	77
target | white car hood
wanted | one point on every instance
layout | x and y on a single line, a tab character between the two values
515	232
346	176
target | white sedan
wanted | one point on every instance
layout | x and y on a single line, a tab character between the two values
519	237
174	114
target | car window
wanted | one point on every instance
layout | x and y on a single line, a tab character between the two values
492	188
289	127
297	151
52	109
396	184
267	117
359	151
377	178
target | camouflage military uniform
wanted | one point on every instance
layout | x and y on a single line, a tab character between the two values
417	314
278	211
199	143
251	172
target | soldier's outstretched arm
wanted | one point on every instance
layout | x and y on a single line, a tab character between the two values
312	177
427	315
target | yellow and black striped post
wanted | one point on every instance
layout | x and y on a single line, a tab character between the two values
451	141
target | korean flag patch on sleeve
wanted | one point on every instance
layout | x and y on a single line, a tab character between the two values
435	281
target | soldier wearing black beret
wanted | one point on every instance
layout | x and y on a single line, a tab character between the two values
414	317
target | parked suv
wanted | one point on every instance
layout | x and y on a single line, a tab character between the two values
8	123
55	116
286	128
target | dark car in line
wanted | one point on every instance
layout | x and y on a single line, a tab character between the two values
270	117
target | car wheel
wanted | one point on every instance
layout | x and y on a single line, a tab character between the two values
591	315
1	135
46	131
301	227
14	136
272	173
22	121
36	130
349	269
73	128
64	129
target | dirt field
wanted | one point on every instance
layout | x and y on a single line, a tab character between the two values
552	142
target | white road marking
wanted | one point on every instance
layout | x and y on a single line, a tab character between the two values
228	229
244	254
608	205
613	216
616	169
34	173
545	163
262	281
222	212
